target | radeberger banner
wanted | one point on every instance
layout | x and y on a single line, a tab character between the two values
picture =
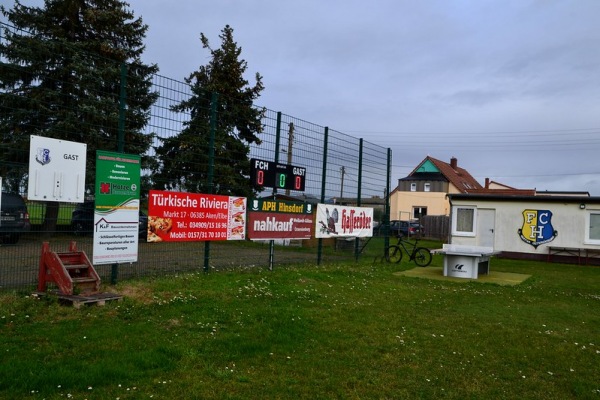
180	217
277	219
343	221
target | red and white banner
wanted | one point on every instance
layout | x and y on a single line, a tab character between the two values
343	221
178	216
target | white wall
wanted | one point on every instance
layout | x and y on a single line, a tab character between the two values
570	222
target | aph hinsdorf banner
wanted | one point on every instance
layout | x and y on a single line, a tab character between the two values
117	207
278	219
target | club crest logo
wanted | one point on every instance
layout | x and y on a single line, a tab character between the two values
537	227
43	156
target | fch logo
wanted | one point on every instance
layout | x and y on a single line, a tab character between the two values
537	227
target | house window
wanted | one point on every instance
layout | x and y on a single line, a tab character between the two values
413	187
593	227
419	212
427	187
464	219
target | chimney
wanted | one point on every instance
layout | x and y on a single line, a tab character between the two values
454	163
487	183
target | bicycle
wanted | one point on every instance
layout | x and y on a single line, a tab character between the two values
420	255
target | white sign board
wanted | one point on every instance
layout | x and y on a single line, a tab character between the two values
343	221
116	234
56	170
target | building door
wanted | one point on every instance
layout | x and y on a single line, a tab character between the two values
486	226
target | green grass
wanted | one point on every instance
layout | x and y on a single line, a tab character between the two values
331	332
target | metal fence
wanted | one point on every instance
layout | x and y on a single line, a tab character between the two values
340	168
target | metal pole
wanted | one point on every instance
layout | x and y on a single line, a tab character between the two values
277	144
343	171
386	214
359	191
211	166
290	149
114	271
323	181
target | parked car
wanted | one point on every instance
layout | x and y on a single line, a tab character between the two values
82	220
406	228
14	218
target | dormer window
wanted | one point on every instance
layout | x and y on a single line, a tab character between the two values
427	187
413	187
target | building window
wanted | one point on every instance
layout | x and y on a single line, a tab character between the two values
593	227
427	187
413	187
464	219
419	212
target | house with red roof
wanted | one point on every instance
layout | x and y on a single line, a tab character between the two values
423	191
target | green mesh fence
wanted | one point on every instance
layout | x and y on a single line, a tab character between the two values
112	112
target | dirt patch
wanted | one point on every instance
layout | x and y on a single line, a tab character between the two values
139	293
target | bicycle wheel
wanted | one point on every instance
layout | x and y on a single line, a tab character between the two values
394	254
422	257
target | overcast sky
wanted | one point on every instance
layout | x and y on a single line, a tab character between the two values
511	88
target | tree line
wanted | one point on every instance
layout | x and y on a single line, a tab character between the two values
62	68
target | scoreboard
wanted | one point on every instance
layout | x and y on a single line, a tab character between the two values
279	176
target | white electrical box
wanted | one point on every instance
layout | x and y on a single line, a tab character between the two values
56	170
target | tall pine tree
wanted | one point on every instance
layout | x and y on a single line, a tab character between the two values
60	78
184	157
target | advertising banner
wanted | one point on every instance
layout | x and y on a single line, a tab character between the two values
343	221
277	219
117	207
180	217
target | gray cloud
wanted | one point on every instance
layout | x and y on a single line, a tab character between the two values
395	71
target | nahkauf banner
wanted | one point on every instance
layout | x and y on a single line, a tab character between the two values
117	207
180	217
343	221
270	219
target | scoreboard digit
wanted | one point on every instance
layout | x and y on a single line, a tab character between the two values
280	176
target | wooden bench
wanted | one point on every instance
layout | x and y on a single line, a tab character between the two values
573	251
565	251
591	253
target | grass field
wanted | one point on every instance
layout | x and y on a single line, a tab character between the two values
332	332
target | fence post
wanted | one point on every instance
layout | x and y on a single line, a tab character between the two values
359	192
211	166
277	144
386	214
323	181
114	272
